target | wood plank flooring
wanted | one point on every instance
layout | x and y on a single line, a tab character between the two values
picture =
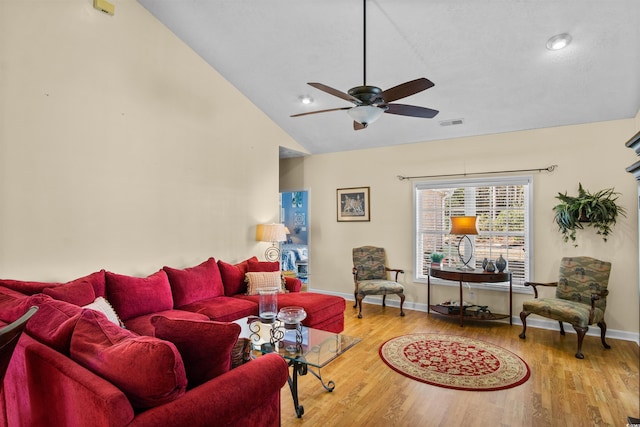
600	390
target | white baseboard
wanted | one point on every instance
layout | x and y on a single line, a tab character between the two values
539	323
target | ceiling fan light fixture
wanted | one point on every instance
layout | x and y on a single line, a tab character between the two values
559	41
306	99
365	114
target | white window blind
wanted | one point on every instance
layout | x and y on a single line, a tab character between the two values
502	206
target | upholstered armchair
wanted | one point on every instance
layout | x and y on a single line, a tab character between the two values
371	276
581	298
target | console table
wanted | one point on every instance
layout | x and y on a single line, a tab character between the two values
474	276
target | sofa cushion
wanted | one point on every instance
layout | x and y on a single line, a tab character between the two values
29	287
195	283
257	280
233	276
134	296
205	346
224	309
148	370
321	309
9	298
77	292
52	324
142	324
255	265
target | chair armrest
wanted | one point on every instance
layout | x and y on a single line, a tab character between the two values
535	284
354	271
394	270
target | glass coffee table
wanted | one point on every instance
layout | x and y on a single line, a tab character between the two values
305	349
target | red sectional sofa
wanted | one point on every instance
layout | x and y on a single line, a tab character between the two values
171	363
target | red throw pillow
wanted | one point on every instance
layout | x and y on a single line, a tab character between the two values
263	266
205	346
195	283
148	370
96	279
135	296
78	292
52	324
233	276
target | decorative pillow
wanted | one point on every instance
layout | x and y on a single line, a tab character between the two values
195	283
52	324
205	346
78	292
135	296
28	288
96	279
233	276
262	279
148	370
103	306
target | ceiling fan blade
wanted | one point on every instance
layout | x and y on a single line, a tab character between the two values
358	126
320	111
406	89
335	92
411	110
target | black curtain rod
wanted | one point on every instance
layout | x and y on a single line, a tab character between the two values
547	169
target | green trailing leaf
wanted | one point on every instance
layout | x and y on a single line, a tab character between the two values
598	210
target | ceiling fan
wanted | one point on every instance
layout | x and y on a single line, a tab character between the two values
371	101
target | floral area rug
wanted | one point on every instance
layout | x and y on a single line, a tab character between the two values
453	361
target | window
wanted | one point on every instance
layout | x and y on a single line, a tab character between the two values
502	206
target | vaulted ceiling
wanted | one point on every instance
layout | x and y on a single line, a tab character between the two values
487	58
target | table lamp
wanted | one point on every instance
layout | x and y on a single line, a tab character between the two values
274	233
465	226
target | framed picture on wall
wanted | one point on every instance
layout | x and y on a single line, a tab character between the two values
353	204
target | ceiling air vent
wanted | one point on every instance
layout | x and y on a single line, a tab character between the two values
452	122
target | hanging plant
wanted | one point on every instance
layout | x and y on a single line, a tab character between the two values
598	210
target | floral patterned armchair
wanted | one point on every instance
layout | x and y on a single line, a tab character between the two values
580	299
370	276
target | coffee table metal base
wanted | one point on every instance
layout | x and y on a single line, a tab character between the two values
300	367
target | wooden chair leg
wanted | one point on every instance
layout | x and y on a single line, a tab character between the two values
581	333
359	299
562	328
401	303
603	331
355	299
384	297
523	317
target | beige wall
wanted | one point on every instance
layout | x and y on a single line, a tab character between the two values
120	148
593	154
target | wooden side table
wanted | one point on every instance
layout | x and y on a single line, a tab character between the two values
474	276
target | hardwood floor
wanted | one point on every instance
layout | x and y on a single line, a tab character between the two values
600	390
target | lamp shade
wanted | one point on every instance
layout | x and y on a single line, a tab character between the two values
463	225
271	233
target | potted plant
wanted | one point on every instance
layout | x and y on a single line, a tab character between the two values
436	259
598	210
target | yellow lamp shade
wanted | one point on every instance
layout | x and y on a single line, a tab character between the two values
463	225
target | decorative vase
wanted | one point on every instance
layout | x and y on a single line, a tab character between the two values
501	264
484	264
490	267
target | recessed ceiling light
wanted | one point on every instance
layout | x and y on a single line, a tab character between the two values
559	41
306	100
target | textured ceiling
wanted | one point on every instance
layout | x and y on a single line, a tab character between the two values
487	58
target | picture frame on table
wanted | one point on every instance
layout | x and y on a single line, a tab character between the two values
353	204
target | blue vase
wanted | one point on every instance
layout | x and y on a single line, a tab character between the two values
501	264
